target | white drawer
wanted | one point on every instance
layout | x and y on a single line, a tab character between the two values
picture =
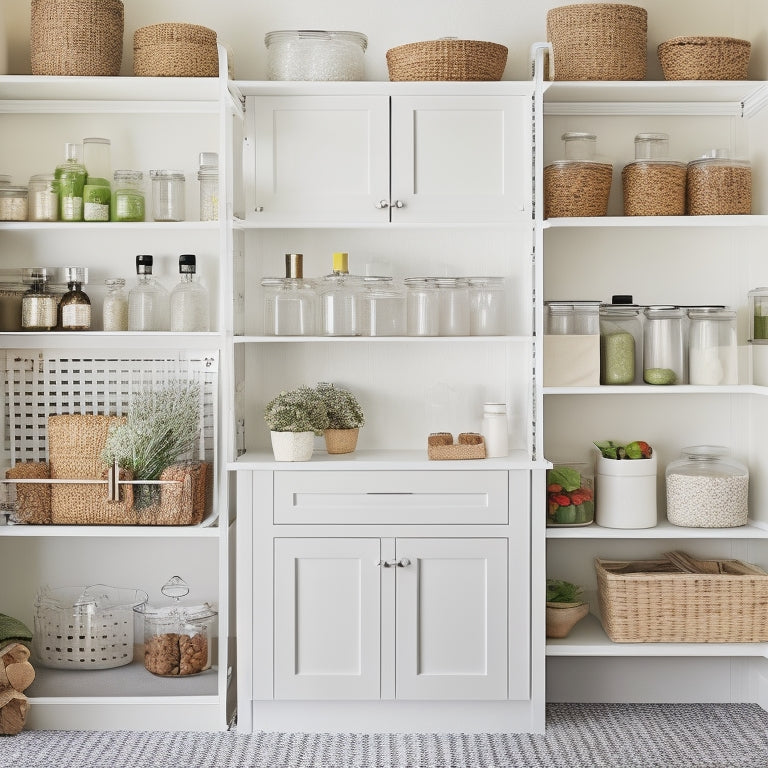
432	497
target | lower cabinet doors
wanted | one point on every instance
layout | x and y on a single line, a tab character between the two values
369	618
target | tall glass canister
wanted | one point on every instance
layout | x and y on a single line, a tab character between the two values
422	306
339	299
487	306
621	344
663	346
382	307
712	350
290	302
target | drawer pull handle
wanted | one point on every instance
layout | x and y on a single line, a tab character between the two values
403	562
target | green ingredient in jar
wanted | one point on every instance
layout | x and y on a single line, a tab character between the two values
761	327
128	205
617	358
659	376
96	202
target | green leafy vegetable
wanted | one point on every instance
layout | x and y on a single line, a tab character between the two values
559	591
566	477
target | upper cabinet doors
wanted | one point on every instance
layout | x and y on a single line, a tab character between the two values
375	159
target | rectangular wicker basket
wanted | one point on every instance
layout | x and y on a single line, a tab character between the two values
681	599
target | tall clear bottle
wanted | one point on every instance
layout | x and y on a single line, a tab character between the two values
148	301
70	176
97	192
189	299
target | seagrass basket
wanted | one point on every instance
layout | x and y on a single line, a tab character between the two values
469	445
573	188
447	59
681	599
598	41
175	50
654	188
76	37
704	58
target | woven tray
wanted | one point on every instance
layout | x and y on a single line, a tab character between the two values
470	445
447	59
76	37
704	58
598	41
681	599
175	50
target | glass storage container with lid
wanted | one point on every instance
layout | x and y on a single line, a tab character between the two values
115	307
339	299
558	318
168	198
653	184
208	176
707	488
422	306
621	342
758	315
663	346
290	302
39	305
14	203
310	54
453	295
128	198
487	306
718	185
382	307
712	349
43	198
12	291
177	636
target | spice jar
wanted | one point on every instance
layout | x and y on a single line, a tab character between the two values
177	636
707	488
382	307
663	348
168	200
719	185
422	306
712	350
454	306
487	306
128	201
653	185
208	176
14	203
115	307
38	305
43	198
621	344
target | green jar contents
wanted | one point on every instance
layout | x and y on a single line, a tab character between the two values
621	340
70	176
570	495
96	197
128	201
617	357
758	312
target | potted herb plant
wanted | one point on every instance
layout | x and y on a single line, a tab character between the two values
345	417
564	607
294	418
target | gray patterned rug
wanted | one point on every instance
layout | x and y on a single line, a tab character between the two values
578	736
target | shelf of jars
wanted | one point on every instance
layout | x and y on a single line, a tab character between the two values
752	221
251	339
648	389
662	530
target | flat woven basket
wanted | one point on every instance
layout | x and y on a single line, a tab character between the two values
598	41
577	189
683	600
175	50
76	37
447	59
704	58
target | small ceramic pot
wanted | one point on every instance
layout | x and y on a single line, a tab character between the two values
562	617
341	440
292	446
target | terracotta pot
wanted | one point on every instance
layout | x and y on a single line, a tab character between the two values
341	440
292	446
562	617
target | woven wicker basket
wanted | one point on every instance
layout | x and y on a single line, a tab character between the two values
447	59
76	37
175	50
683	600
704	58
577	189
654	188
598	41
469	445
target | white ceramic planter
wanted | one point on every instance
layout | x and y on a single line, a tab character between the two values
625	493
292	446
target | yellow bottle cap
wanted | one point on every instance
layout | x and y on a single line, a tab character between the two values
341	262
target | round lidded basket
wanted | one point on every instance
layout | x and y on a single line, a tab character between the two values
704	58
81	38
653	185
447	59
717	185
175	50
598	41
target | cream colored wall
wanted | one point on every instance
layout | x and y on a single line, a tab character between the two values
515	23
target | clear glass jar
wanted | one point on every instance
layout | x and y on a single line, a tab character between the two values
454	306
148	301
168	197
14	203
758	315
128	199
621	344
11	296
570	504
190	310
579	146
115	307
718	185
75	305
43	198
308	54
663	346
339	299
70	178
290	307
653	185
558	318
382	307
586	318
707	488
97	192
422	302
208	176
712	349
487	306
39	306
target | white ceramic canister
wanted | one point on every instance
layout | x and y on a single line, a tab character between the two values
494	429
625	493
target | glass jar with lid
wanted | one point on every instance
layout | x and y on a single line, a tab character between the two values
339	299
168	198
558	318
422	306
718	185
43	198
707	488
75	305
14	203
128	199
310	54
621	343
12	291
208	176
382	307
758	315
39	305
487	306
712	349
454	306
653	184
115	307
663	346
290	302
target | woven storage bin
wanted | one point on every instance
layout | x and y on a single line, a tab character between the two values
704	58
76	37
654	189
175	50
598	41
718	189
470	445
447	59
33	500
577	189
655	601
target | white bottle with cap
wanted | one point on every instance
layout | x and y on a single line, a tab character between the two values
494	430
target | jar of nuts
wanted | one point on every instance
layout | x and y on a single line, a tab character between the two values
177	636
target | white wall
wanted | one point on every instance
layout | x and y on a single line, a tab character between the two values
515	23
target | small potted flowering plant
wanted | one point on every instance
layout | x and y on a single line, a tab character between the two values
345	417
294	418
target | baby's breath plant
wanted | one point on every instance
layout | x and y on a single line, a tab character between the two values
344	411
299	410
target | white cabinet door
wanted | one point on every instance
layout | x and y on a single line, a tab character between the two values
327	619
460	158
451	619
318	158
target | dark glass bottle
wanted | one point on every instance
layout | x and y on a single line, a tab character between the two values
75	306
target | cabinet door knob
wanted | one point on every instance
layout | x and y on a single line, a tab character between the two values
403	562
259	209
381	204
386	563
398	204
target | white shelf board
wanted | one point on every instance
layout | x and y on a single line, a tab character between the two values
150	227
380	460
523	220
663	530
382	87
378	339
204	531
587	638
113	342
656	222
650	389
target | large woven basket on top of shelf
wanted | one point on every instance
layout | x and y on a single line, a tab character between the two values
175	50
447	59
76	37
598	41
704	58
682	599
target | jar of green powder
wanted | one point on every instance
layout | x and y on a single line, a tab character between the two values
621	343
